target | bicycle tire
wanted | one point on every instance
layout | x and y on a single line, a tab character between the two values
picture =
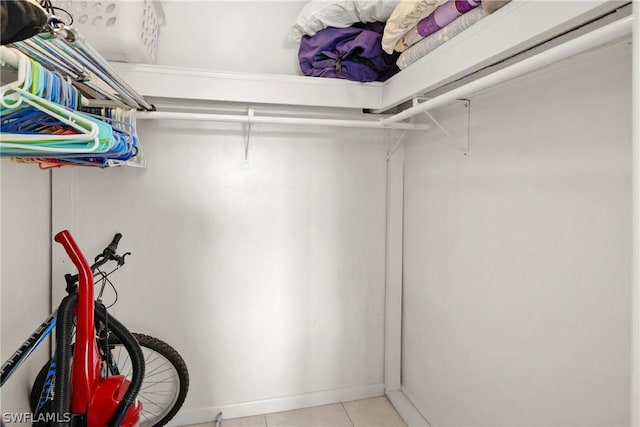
150	346
160	358
38	385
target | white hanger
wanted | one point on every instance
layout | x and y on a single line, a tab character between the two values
12	95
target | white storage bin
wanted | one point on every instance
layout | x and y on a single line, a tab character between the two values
121	30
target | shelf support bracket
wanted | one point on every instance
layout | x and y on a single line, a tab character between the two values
247	138
453	121
396	145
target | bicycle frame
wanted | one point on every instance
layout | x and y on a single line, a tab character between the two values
85	375
92	398
27	347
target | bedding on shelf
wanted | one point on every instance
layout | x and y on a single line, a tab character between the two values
438	38
362	40
440	18
491	6
443	23
352	53
404	17
320	14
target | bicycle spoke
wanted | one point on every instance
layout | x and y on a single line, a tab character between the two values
146	362
160	387
161	396
145	388
156	372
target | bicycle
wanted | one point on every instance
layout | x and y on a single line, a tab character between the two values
81	395
99	340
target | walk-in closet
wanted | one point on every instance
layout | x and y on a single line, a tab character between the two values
447	227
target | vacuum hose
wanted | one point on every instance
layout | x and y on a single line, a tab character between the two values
64	335
137	362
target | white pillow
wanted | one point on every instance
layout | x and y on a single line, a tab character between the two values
320	14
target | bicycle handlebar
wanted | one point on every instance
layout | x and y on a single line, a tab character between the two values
113	246
108	254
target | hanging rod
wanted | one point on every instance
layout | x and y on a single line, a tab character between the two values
102	68
635	227
235	118
11	58
63	48
579	44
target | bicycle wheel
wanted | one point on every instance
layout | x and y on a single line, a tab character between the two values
166	380
164	386
38	385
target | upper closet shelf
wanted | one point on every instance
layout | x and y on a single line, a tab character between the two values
517	27
193	84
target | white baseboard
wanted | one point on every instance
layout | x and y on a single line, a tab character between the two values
407	410
246	409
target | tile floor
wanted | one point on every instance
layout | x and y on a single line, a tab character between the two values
375	412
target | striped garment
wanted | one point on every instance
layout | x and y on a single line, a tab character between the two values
438	38
442	16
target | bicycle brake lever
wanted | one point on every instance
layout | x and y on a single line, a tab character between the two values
121	259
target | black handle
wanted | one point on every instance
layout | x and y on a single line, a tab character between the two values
113	246
108	254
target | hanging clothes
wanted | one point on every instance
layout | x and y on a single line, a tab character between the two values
40	121
20	20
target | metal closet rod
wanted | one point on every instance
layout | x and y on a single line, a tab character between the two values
579	44
66	51
70	42
305	121
572	47
105	71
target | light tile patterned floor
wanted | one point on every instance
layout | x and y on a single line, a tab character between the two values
375	412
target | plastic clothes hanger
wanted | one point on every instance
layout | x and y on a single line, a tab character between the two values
91	135
36	129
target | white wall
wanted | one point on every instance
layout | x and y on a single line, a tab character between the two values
241	36
25	285
517	257
635	296
267	276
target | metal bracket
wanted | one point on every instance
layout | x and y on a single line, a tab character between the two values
395	146
247	137
452	122
218	419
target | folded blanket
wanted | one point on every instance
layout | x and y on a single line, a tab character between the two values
406	15
492	5
436	39
352	53
441	17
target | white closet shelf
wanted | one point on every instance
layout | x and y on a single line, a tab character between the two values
194	84
518	26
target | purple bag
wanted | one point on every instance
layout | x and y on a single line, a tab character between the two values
353	53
